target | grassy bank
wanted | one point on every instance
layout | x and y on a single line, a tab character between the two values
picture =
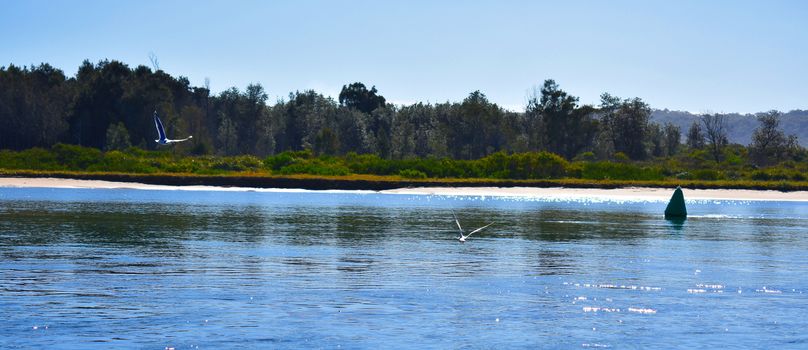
378	183
352	171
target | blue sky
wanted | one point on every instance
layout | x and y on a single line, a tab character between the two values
699	56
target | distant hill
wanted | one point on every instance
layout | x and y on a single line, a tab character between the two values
739	126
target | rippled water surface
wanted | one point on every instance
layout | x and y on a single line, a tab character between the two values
83	269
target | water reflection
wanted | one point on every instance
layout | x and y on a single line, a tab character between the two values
555	262
676	223
364	271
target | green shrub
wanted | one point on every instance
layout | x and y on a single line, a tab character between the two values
585	157
696	165
778	174
188	165
621	157
706	174
760	175
732	175
283	159
696	159
412	174
117	161
315	167
547	165
732	159
278	161
575	170
532	165
237	163
369	164
684	176
32	158
619	171
76	157
141	153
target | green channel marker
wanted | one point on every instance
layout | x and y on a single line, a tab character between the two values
676	207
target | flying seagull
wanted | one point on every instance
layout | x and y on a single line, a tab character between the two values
463	237
161	133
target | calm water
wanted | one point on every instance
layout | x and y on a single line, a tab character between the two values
83	269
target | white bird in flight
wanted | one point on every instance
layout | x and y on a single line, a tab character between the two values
161	133
463	237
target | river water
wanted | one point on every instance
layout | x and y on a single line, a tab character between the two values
157	269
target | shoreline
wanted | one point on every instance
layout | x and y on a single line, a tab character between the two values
557	192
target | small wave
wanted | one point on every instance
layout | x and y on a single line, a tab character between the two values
616	286
599	309
646	311
706	288
769	291
595	345
718	216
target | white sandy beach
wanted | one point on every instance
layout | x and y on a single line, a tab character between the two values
641	193
50	182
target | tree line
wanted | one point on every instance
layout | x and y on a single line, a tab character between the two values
108	105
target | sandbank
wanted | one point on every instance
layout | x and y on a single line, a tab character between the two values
626	193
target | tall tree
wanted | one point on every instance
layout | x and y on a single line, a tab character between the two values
695	137
303	116
534	124
33	106
770	144
265	133
630	128
354	131
422	130
381	120
556	108
605	138
608	109
473	131
715	127
568	130
656	138
672	135
357	96
117	137
326	142
101	89
227	136
253	117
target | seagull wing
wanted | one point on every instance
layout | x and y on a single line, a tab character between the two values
479	229
458	223
161	132
180	140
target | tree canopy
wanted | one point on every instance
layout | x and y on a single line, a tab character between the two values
108	105
357	96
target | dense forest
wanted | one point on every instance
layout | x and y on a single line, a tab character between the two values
109	105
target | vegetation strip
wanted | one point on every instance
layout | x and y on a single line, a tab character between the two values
100	122
379	183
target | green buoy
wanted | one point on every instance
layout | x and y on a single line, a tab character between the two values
676	207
